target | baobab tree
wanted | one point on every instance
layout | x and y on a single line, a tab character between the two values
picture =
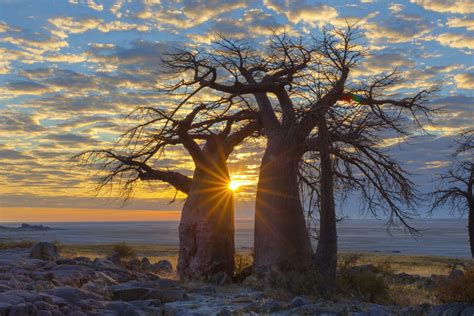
294	84
456	187
350	156
209	134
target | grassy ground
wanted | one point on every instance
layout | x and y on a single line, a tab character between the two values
410	264
153	253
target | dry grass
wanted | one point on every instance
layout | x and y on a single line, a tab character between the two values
152	252
410	294
9	244
459	289
416	265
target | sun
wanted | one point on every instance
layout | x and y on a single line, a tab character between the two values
234	185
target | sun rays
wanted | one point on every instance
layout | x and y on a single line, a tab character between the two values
234	185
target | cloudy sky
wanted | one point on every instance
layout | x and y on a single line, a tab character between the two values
71	70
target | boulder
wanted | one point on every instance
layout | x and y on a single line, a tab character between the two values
421	309
146	264
452	309
135	264
220	278
115	258
45	251
83	260
166	295
298	301
163	266
270	306
20	310
379	310
315	309
130	293
4	308
73	295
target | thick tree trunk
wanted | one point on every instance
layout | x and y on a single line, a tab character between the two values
326	252
281	239
206	230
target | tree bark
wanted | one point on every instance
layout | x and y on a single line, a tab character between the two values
325	259
206	230
281	239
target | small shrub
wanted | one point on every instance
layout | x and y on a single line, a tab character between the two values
296	282
460	289
368	284
124	251
242	261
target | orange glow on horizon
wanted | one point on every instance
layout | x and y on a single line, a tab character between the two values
31	215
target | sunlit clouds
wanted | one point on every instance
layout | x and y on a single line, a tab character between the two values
72	70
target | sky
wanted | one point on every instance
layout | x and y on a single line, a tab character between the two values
70	71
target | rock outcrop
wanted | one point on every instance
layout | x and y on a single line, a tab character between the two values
45	251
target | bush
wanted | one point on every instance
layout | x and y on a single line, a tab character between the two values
366	285
124	251
296	282
242	261
365	282
460	289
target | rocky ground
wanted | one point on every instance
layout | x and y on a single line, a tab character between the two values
37	282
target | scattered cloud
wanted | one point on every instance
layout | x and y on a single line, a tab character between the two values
447	6
456	40
465	80
465	22
299	11
68	25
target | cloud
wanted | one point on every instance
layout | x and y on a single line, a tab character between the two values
9	154
465	80
456	40
67	58
454	115
398	29
19	122
190	13
447	6
68	138
254	23
89	3
115	8
396	7
35	43
68	25
25	88
461	22
382	62
298	11
140	57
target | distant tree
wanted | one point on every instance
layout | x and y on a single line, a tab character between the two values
456	187
209	134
